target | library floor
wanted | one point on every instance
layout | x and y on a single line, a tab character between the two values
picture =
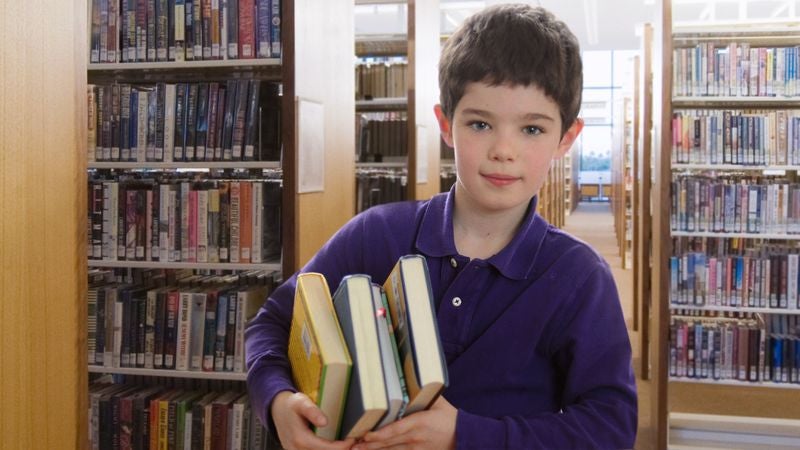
594	224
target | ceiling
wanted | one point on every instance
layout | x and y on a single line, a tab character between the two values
598	24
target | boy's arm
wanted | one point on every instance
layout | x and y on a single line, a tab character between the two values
592	350
267	334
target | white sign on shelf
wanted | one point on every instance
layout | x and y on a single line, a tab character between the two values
422	155
310	146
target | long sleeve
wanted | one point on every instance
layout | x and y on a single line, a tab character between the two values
363	245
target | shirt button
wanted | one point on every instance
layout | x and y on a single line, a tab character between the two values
456	301
453	262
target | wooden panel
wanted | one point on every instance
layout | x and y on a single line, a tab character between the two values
662	95
423	93
734	400
643	185
43	226
635	194
324	45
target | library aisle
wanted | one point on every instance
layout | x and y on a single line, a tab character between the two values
594	224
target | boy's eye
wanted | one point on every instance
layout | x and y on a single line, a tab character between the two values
478	125
532	130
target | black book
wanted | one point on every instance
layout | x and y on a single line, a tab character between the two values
269	129
229	115
251	121
271	224
191	122
181	94
201	122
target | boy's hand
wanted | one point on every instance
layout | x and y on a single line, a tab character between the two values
434	429
292	414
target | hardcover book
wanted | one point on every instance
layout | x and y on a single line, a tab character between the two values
367	399
410	296
321	364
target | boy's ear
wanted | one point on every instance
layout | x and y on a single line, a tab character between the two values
569	137
444	125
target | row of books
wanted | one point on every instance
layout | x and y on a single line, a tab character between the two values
369	354
379	186
210	221
734	204
736	69
234	120
178	30
189	326
745	350
382	79
380	135
756	279
129	416
736	137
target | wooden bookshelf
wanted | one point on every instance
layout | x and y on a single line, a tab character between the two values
764	399
320	88
622	177
551	200
420	47
642	205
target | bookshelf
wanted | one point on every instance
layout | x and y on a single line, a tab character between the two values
552	201
571	171
314	166
394	112
622	177
758	317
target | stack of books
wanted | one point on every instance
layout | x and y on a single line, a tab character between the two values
364	354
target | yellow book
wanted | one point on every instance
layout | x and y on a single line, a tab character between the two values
410	297
321	363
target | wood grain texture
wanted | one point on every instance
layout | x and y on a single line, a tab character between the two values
43	227
734	400
423	93
637	155
662	114
323	46
643	186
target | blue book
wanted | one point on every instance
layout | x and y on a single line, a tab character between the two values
367	399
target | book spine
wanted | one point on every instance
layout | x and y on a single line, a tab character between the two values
169	122
239	117
263	19
235	205
182	345
210	332
202	225
246	29
179	27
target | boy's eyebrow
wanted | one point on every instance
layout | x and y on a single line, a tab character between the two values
528	116
538	116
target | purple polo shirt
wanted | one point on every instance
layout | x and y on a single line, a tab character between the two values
537	350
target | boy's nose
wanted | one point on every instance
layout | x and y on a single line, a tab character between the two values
502	149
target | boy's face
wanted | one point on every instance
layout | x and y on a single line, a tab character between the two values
505	138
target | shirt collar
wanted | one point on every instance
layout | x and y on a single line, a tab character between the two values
516	261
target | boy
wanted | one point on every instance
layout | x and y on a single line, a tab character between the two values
536	346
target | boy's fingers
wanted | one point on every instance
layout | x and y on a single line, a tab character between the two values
311	412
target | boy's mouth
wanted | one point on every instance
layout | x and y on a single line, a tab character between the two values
499	179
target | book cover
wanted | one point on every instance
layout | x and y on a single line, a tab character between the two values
410	296
367	401
390	359
321	364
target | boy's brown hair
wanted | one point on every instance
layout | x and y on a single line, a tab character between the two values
518	45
